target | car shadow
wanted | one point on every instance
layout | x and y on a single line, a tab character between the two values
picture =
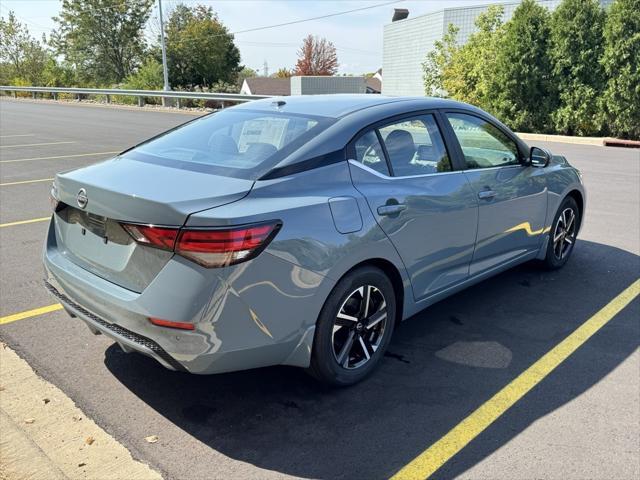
441	365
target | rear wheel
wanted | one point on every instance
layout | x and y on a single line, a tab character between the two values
562	237
354	327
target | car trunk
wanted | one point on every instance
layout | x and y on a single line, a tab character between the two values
127	191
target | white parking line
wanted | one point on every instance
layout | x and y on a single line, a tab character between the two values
33	144
23	182
19	135
59	156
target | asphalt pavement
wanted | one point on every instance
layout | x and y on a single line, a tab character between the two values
581	421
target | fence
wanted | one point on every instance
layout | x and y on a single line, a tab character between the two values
140	94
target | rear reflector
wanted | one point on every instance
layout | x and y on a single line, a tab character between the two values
209	247
167	323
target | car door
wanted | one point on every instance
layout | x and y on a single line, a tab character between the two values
512	196
424	205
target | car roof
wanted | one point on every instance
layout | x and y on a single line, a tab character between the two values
339	105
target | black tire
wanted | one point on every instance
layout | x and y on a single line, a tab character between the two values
372	330
559	251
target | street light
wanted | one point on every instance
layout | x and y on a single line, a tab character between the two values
165	73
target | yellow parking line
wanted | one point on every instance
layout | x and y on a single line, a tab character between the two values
34	144
60	156
30	313
457	438
23	222
25	181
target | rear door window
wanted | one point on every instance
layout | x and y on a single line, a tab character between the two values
369	152
415	147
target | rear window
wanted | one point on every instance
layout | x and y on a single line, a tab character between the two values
235	143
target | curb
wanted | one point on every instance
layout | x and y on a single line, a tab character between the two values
600	141
46	436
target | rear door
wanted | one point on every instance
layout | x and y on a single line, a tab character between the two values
512	196
422	203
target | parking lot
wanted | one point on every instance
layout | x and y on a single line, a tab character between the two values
582	420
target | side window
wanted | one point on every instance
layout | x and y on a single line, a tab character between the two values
483	145
415	147
369	153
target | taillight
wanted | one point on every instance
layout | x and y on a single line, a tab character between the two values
209	247
159	237
221	247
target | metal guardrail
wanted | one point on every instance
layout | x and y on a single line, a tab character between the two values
140	94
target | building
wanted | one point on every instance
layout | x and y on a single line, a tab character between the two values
406	41
309	85
266	86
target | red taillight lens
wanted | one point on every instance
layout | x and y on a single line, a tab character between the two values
216	247
170	324
221	247
159	237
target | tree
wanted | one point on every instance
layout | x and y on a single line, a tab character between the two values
22	58
200	49
575	49
283	73
246	72
621	62
438	60
147	77
470	75
523	90
103	39
317	56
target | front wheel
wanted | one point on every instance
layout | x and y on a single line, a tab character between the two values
354	327
562	237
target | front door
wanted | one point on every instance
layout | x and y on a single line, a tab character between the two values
512	196
427	209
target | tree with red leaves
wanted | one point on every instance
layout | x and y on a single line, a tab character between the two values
317	56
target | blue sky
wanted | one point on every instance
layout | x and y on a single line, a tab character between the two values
357	36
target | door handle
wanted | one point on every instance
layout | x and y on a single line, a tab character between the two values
391	209
486	194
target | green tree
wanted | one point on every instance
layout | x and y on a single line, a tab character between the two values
437	62
147	77
524	93
200	49
576	47
103	39
621	62
282	73
470	75
22	58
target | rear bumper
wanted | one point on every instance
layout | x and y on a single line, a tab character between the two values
129	341
255	314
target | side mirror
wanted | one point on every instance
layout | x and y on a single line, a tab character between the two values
539	157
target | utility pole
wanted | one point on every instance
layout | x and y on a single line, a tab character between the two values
266	69
165	73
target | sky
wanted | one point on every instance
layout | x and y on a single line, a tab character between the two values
357	36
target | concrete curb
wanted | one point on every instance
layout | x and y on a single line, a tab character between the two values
600	141
45	436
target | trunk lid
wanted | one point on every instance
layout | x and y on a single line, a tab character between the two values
129	191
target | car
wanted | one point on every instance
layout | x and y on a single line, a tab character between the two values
301	230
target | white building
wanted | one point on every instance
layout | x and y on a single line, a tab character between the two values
406	41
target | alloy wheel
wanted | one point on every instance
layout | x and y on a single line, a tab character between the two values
359	327
564	234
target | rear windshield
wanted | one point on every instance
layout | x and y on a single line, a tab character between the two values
234	143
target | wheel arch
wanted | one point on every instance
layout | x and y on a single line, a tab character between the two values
579	199
392	272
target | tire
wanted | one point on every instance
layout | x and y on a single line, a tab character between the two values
338	356
560	249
